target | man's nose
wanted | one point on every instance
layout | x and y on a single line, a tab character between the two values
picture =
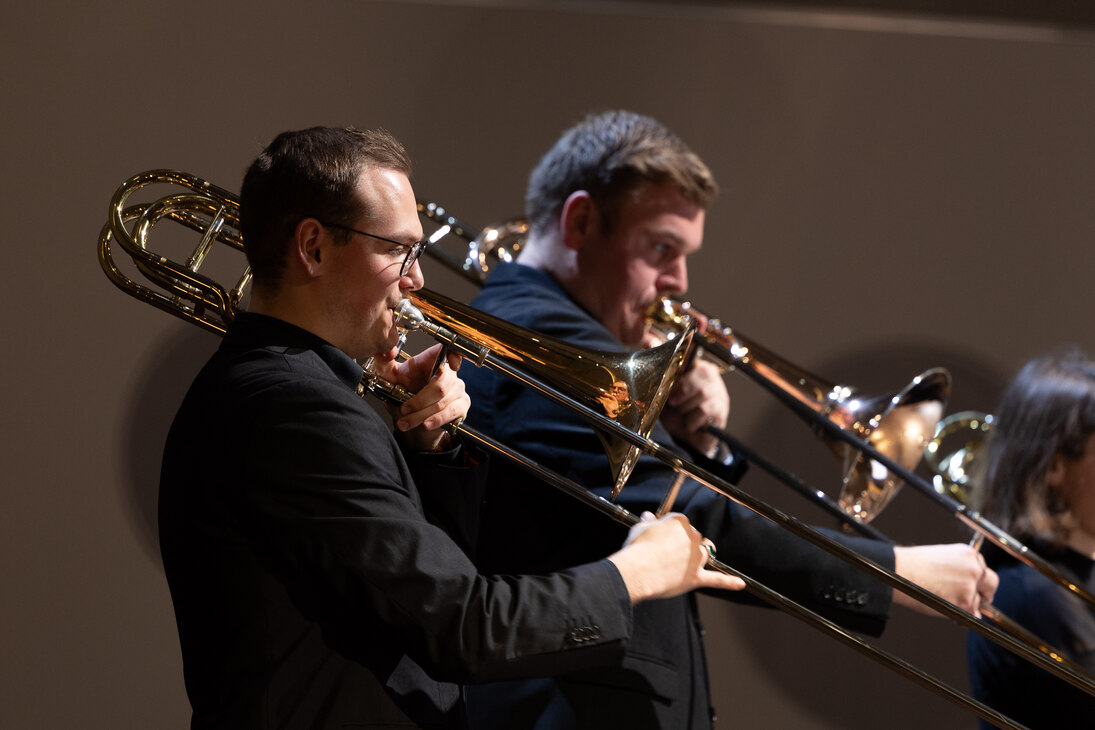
674	278
415	275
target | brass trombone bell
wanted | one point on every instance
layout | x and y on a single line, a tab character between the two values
951	467
483	248
899	427
501	242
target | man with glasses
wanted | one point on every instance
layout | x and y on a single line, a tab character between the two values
316	562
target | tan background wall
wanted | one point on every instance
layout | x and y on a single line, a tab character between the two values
897	195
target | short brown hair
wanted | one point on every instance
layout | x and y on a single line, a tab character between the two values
610	155
311	173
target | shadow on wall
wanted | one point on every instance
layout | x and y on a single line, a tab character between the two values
156	394
934	645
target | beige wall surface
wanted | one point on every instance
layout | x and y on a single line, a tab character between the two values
897	194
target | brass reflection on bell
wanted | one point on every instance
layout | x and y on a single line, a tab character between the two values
899	427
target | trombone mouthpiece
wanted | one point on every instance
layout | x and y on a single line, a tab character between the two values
408	316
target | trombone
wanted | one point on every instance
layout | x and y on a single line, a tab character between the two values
742	354
195	297
880	439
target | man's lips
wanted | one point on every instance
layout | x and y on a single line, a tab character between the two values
393	352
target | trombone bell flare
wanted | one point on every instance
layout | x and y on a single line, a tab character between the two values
959	441
899	427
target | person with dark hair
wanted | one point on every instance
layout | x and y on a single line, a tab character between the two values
1036	481
318	564
616	206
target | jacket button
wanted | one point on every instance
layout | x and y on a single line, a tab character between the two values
581	634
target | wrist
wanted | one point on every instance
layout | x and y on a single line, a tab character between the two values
632	573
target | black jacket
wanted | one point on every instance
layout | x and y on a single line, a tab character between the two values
1016	687
312	586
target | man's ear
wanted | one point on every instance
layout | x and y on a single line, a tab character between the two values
310	246
579	220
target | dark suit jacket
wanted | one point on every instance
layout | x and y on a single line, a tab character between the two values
312	586
1012	685
528	526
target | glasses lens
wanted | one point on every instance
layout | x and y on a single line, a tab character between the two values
412	255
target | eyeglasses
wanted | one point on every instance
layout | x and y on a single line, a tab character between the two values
414	250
